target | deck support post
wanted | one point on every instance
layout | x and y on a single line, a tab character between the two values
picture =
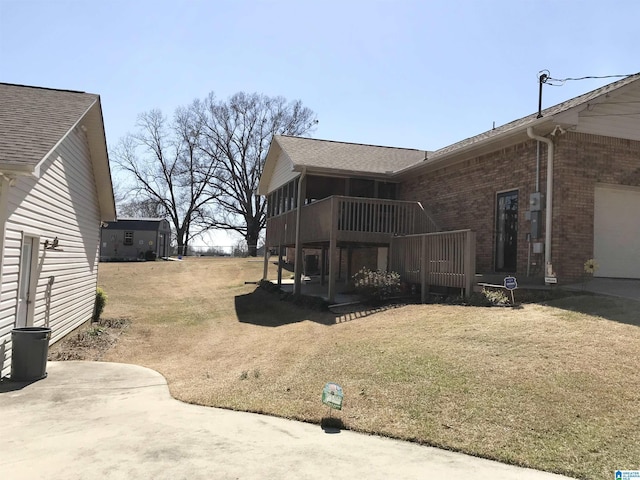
333	254
323	264
470	262
279	266
297	273
424	269
265	268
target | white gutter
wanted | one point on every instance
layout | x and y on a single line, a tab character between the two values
549	206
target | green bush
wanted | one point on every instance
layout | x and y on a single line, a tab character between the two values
101	301
376	285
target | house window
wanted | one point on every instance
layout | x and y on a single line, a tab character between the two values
128	238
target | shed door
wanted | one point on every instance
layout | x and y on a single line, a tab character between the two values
616	231
26	293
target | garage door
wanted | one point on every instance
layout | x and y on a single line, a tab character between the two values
616	227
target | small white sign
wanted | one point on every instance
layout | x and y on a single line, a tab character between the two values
550	280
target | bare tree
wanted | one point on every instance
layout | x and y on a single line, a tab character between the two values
236	137
168	172
140	208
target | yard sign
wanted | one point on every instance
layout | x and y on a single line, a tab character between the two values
332	395
510	283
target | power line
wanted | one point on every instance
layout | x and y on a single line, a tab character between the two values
545	77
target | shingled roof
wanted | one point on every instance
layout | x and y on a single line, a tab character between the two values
352	157
33	120
530	120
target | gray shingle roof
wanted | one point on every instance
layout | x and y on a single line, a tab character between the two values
33	120
148	224
352	157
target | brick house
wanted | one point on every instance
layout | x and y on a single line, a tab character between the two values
579	160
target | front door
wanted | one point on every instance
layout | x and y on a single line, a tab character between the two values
25	293
507	232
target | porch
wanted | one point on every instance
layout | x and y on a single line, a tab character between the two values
416	250
348	219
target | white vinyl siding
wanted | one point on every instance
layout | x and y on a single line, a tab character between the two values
617	231
614	117
282	173
61	203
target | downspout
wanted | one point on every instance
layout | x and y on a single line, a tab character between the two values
549	273
297	268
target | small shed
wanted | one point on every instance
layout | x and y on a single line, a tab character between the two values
132	239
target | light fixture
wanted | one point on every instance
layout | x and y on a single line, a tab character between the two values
51	245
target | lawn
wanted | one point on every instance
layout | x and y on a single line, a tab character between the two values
554	387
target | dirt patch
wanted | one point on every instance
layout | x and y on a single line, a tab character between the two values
90	342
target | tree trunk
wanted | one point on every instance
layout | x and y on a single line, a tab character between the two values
252	241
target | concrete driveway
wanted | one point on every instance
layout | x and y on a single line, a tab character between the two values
117	421
614	287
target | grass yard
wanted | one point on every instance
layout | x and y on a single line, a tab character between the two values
554	387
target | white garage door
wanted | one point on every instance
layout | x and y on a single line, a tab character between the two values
616	226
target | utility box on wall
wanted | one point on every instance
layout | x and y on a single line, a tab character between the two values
535	202
535	224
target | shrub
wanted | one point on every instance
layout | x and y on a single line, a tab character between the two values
488	297
376	285
101	301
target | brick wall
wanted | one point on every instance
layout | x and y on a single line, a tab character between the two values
582	161
464	196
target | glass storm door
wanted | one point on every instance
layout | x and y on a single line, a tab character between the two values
507	232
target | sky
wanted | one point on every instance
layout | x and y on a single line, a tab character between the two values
404	73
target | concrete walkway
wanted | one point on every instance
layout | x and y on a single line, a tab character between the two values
117	421
614	287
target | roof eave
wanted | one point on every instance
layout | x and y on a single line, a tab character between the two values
481	147
9	169
93	124
334	172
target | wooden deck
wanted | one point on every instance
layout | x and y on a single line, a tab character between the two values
420	253
446	259
349	219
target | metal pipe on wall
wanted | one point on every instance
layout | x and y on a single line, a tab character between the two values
549	204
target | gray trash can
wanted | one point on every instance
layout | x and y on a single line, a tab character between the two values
29	351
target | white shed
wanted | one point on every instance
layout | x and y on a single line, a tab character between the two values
55	191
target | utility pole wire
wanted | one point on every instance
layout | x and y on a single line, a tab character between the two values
545	77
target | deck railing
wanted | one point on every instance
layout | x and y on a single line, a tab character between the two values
382	216
444	259
352	219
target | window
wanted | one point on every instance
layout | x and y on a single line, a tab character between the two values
128	238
